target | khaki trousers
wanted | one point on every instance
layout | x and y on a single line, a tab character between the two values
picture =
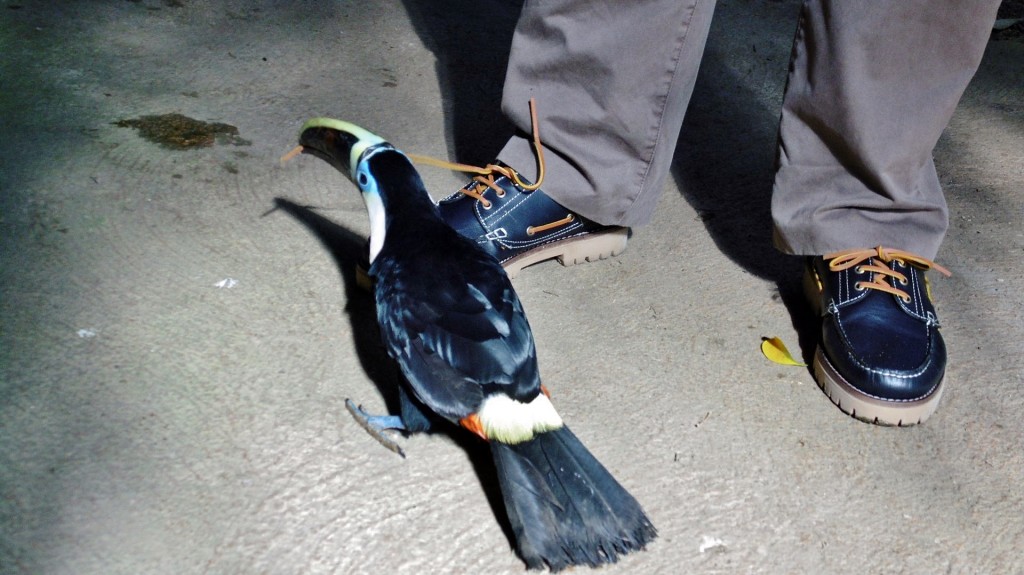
872	84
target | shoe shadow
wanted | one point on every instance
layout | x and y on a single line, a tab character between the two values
348	250
470	40
724	167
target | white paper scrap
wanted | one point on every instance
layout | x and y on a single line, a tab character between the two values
711	543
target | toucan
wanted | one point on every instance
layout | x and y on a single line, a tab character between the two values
451	319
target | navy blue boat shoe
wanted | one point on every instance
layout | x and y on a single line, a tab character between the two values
520	225
881	358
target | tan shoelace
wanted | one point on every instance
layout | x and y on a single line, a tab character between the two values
485	177
845	260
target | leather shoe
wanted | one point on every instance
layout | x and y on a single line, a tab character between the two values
881	358
521	226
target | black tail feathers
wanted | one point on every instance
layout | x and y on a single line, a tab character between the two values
565	507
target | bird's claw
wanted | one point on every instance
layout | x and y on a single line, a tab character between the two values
367	422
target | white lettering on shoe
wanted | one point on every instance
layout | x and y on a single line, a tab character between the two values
497	234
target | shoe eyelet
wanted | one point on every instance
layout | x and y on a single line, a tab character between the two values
486	204
904	282
858	270
859	286
500	193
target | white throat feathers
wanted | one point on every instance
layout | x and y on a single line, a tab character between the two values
375	208
371	197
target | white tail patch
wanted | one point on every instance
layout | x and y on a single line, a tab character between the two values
509	421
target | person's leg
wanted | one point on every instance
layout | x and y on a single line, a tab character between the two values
611	81
871	87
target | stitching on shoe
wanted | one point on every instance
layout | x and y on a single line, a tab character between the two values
850	384
485	220
514	204
887	372
546	241
507	209
915	287
919	310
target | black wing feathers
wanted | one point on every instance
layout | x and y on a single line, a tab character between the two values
450	317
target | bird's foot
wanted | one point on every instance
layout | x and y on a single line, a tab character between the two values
375	425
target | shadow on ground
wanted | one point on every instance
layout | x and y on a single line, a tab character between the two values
724	168
471	41
348	249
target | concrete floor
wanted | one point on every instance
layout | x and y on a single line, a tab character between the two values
153	422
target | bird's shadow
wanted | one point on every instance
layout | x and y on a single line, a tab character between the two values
348	249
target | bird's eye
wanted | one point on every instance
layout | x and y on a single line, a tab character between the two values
363	180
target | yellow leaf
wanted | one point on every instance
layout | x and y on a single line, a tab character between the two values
775	350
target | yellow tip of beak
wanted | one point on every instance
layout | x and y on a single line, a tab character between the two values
295	152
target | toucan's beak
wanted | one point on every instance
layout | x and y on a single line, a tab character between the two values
338	143
332	146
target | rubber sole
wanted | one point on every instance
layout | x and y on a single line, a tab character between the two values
572	251
867	408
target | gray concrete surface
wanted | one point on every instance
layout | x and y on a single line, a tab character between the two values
152	422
